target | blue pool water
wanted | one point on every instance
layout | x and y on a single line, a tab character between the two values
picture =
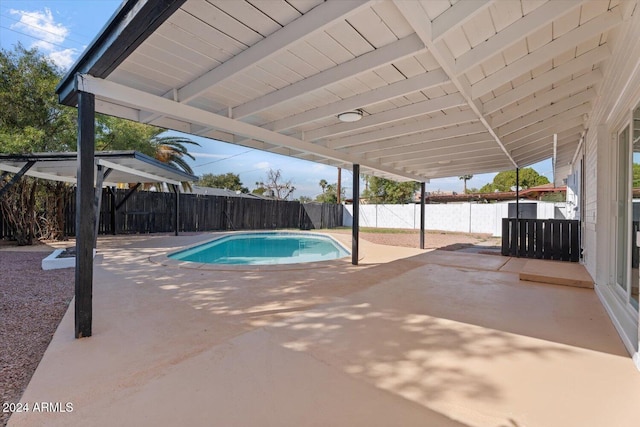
264	248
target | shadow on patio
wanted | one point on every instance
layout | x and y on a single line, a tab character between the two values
438	338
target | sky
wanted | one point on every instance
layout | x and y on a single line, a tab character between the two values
63	29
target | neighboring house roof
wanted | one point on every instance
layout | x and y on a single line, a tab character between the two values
533	193
223	192
443	88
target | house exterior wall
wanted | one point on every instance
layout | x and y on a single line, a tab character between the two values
618	95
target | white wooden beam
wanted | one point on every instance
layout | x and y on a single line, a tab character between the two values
312	22
126	96
419	21
395	51
544	137
477	156
585	61
458	14
535	150
403	129
121	168
544	113
390	146
36	174
444	146
460	167
572	87
532	130
403	87
395	114
456	171
547	52
515	32
569	136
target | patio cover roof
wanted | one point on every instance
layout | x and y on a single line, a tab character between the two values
445	88
126	167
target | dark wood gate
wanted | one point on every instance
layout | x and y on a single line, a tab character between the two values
557	239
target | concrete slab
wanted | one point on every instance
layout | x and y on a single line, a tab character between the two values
404	342
557	273
465	260
514	265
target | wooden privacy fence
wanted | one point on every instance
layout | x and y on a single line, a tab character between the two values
149	212
154	212
557	239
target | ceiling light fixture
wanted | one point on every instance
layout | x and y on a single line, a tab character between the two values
350	116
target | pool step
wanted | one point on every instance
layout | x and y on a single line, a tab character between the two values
557	273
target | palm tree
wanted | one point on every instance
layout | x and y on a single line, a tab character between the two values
323	185
465	178
172	150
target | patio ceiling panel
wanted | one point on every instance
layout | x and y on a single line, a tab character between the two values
435	81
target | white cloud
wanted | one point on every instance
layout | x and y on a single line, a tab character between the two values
49	34
262	165
64	58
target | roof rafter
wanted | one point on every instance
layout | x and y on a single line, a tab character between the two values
582	62
438	170
403	87
419	138
403	129
478	155
316	20
572	87
111	91
566	42
546	112
447	146
532	130
512	34
385	55
455	16
395	114
419	21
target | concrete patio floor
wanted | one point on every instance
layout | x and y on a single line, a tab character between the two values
408	338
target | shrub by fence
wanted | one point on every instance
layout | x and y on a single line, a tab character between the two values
146	211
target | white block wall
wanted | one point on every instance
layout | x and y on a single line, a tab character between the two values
458	217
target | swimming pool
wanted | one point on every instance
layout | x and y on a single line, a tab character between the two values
264	248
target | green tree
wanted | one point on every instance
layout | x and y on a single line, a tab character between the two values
31	119
329	193
305	199
506	180
229	180
114	134
465	178
382	190
636	175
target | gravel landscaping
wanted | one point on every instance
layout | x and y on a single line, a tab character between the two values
32	303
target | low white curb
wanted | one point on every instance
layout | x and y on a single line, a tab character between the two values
52	262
